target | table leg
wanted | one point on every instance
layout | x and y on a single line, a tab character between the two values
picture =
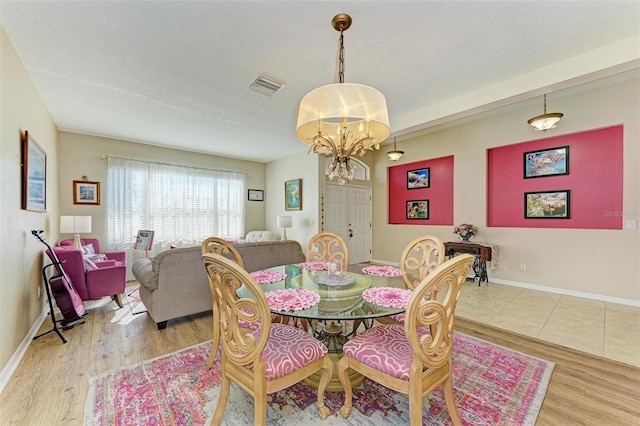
333	336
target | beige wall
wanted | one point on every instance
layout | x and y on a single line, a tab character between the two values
81	155
593	262
21	109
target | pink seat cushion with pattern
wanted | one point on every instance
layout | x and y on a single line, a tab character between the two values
289	349
384	348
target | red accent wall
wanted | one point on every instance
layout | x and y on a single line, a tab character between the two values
595	180
439	193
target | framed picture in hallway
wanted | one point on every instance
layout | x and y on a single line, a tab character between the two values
293	194
546	205
418	178
547	162
418	209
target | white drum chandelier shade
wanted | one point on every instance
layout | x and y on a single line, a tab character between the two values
343	119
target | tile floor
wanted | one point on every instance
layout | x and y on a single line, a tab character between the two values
601	328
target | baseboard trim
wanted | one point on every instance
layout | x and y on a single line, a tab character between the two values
17	356
563	291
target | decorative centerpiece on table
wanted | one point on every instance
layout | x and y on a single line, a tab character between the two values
466	231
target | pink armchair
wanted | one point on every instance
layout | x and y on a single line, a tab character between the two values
107	279
118	256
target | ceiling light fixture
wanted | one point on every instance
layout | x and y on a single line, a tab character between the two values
395	154
545	121
343	119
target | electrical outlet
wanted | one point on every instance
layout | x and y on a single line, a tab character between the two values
523	266
631	224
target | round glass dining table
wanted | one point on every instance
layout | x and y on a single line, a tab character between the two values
341	308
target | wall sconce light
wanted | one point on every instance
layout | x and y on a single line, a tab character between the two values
545	121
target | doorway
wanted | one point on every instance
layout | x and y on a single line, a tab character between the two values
347	212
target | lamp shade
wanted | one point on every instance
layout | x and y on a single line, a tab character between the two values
75	224
283	221
328	109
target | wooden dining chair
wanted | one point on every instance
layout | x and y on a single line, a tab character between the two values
272	357
328	247
420	257
224	248
413	358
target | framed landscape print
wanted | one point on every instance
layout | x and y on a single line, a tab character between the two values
418	209
547	162
85	192
547	205
34	175
418	178
293	194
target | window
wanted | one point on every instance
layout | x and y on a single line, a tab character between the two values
182	205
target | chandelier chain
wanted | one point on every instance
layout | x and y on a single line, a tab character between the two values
341	57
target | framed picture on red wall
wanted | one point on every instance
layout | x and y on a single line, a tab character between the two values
418	178
546	162
418	209
546	205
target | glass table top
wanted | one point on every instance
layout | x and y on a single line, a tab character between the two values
340	297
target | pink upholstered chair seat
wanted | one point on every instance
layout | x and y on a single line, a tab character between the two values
384	348
288	349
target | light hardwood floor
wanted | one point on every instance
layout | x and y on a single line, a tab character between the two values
51	382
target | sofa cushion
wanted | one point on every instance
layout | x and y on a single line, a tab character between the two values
143	272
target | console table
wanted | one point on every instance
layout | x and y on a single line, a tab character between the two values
482	253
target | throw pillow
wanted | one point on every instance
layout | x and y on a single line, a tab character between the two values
88	249
89	263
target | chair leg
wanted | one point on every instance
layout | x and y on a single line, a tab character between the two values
450	399
260	404
343	374
116	298
215	340
225	386
415	403
327	372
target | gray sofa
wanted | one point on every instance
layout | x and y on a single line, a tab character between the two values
174	283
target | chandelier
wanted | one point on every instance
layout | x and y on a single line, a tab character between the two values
344	119
545	121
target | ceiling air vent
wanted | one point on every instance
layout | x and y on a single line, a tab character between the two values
266	86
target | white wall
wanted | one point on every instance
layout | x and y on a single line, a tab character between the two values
306	221
604	263
21	108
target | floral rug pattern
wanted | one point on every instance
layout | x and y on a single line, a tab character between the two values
493	385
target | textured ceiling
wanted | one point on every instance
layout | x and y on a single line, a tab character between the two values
175	73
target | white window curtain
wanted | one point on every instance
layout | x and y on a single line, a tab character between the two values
182	205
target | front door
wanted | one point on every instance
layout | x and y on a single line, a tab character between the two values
348	214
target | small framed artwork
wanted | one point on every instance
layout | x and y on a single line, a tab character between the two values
256	195
293	194
418	178
85	192
547	205
34	175
418	209
144	240
547	162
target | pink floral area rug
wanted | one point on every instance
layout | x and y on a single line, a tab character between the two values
493	385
